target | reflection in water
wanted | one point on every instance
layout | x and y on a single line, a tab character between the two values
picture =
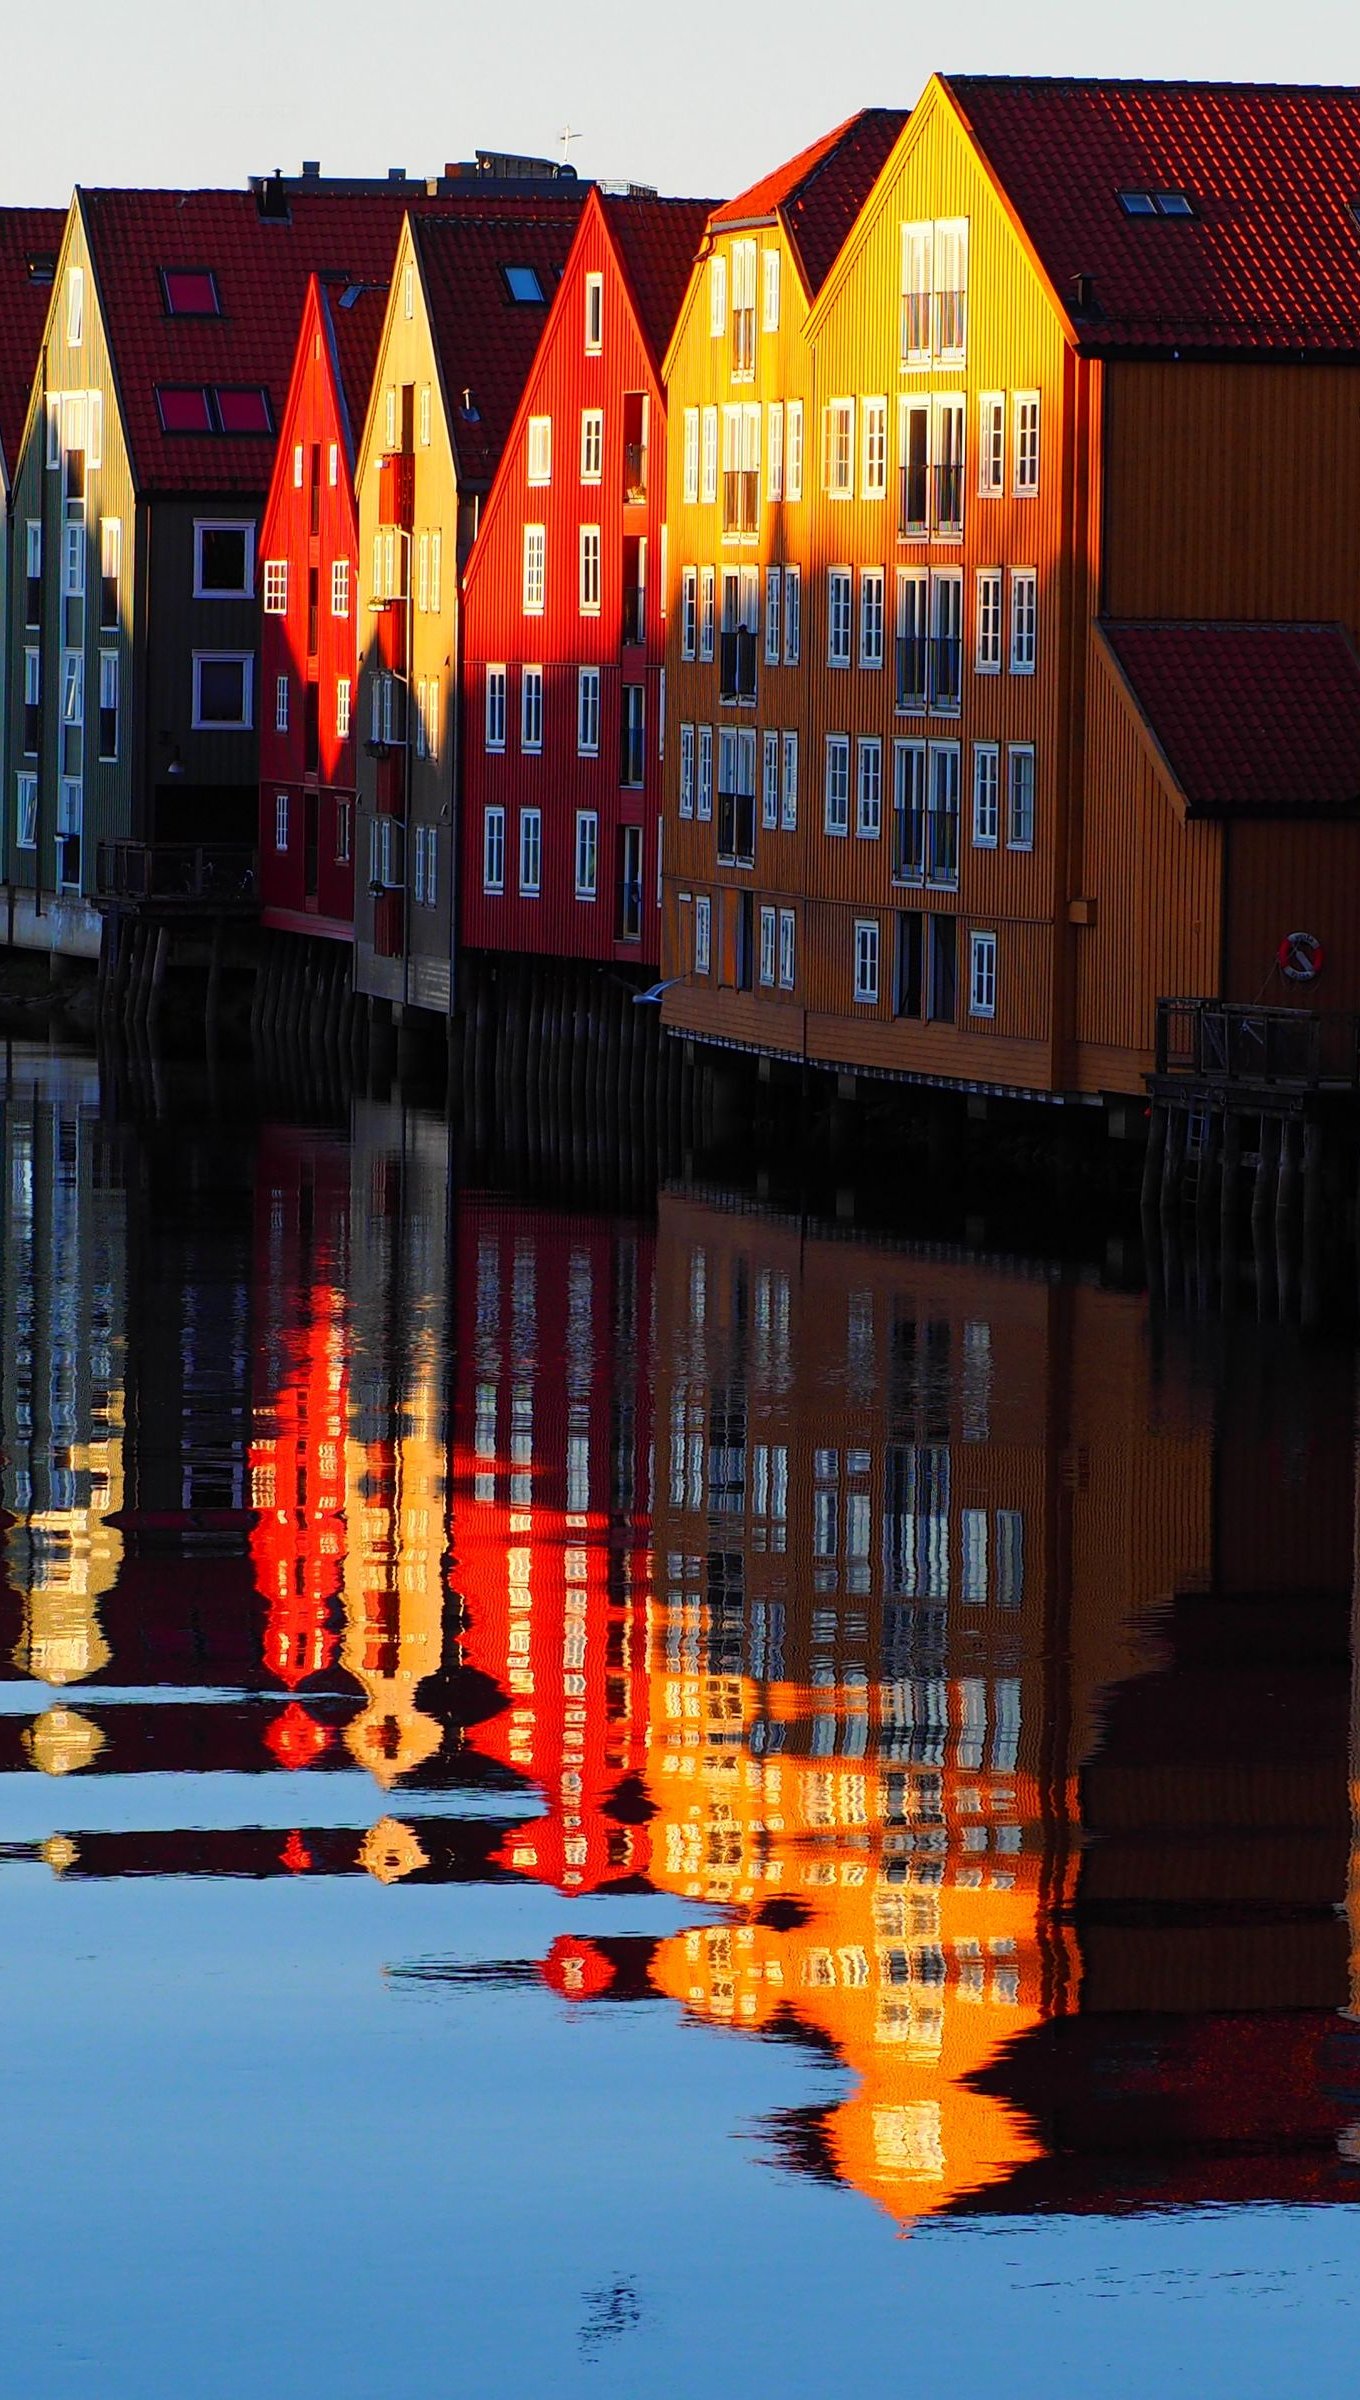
960	1654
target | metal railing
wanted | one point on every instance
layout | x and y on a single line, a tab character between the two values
929	668
220	872
1222	1041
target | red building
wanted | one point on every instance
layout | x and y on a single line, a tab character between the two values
563	681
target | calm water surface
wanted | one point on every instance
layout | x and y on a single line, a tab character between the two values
655	1806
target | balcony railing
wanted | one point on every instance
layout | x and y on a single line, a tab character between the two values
909	845
740	500
737	665
222	873
951	317
737	828
929	670
1223	1042
949	497
634	472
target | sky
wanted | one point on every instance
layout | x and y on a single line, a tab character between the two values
694	98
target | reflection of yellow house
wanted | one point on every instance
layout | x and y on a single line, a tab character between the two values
63	1561
61	1741
921	1934
394	1580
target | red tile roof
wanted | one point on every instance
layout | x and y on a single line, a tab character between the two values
820	193
1253	720
25	233
485	341
657	241
1270	258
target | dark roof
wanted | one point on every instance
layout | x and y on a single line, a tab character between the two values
25	234
1253	720
657	241
1270	257
485	340
820	193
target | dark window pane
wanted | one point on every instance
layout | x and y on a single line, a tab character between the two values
222	691
244	409
190	292
524	283
183	407
222	558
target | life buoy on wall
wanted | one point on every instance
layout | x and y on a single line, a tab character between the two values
1300	958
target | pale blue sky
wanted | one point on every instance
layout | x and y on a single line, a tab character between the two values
693	98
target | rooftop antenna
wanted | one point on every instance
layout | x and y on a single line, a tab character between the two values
566	137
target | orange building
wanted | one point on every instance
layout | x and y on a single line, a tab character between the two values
1063	384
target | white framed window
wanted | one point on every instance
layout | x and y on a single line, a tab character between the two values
871	617
531	708
982	974
703	935
1025	418
26	812
73	561
387	853
281	704
344	697
224	559
918	242
793	449
687	770
592	444
587	853
869	790
32	701
942	816
837	809
706	612
276	587
690	486
774	451
530	852
839	608
590	571
703	795
991	444
948	433
75	306
344	832
421	691
769	924
708	455
424	426
838	449
986	795
873	473
866	959
299	466
493	850
594	315
743	309
788	805
33	551
539	450
717	295
787	938
946	649
423	573
772	616
909	812
110	572
280	820
1020	796
108	704
950	327
408	289
588	712
339	587
495	707
432	692
769	315
54	429
425	867
793	615
535	569
223	690
436	555
689	611
769	781
1024	619
987	655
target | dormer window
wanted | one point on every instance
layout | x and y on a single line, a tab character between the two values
190	292
523	283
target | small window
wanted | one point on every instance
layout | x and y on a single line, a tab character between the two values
773	616
243	408
280	820
522	283
871	611
838	449
281	704
108	704
110	571
1175	204
26	812
988	652
1024	620
540	450
592	444
493	850
786	949
788	805
1026	422
590	570
588	712
717	295
531	708
183	408
769	782
866	960
276	587
530	852
982	975
793	615
333	465
75	306
991	444
190	292
224	560
342	708
687	770
344	832
594	313
495	708
339	587
587	853
770	291
703	795
837	816
838	616
1020	797
793	443
986	795
703	932
768	936
222	690
869	791
535	569
1138	204
874	440
690	488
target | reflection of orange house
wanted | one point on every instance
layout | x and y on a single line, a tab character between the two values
550	1476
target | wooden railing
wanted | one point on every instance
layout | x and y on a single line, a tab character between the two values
1230	1042
217	872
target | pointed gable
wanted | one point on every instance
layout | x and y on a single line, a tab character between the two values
819	194
1207	217
30	239
656	242
484	335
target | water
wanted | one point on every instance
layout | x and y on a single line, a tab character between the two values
615	1806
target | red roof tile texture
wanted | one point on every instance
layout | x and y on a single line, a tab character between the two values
485	340
657	241
821	192
25	234
1253	720
1270	258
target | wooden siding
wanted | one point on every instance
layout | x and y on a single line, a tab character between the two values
182	807
1292	878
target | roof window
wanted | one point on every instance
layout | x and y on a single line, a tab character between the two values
523	283
1156	204
214	408
190	292
42	267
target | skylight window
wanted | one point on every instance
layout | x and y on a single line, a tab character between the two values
523	283
42	267
1174	204
190	292
1138	204
1157	204
214	408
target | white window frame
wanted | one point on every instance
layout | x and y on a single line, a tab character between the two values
769	311
773	616
793	615
282	697
787	949
594	315
587	712
836	787
276	587
838	448
592	445
243	525
774	451
916	287
493	850
708	455
245	659
873	471
987	622
340	582
872	616
1021	795
717	296
788	797
793	450
840	616
344	701
1025	433
707	611
73	552
686	802
530	853
868	947
423	408
538	451
982	974
991	445
769	782
280	821
703	783
587	854
494	715
986	795
535	574
531	710
25	810
769	930
591	570
690	485
868	788
689	612
1024	624
110	698
703	935
75	307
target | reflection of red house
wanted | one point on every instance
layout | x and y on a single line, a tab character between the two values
550	1531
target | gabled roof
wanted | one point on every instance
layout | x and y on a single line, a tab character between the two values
819	194
656	241
26	234
484	340
1268	260
1253	720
